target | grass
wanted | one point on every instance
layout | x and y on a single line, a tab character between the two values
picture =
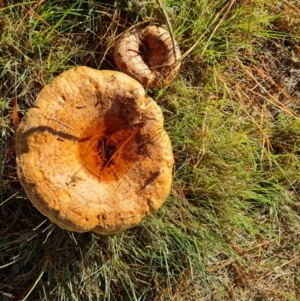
230	229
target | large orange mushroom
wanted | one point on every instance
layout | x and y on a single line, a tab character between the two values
92	153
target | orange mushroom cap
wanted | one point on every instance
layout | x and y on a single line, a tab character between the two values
147	55
92	153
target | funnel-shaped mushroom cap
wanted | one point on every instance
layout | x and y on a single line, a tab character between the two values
92	154
148	55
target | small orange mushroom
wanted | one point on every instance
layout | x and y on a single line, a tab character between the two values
92	153
148	55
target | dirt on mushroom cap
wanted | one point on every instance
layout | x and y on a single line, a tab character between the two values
92	154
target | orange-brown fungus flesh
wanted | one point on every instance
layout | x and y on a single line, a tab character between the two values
92	154
110	148
147	54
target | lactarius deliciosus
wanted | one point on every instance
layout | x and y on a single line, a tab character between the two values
92	153
149	55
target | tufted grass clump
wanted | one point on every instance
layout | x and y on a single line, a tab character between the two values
230	228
